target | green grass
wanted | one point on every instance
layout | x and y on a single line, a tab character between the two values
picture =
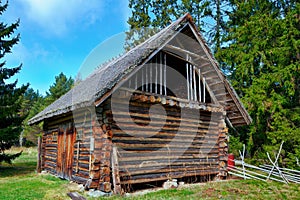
19	181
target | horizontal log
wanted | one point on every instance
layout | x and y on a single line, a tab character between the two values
50	158
137	95
165	176
159	165
200	119
187	169
50	170
144	132
123	103
163	136
176	151
168	124
170	148
83	171
83	166
133	103
54	145
174	145
50	164
159	156
180	140
79	179
166	161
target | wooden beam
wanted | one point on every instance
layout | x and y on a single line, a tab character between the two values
191	82
151	65
115	171
184	51
187	79
39	161
194	80
199	84
161	73
165	74
146	82
204	86
156	78
142	79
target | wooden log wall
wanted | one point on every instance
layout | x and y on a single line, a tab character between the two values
223	148
101	160
49	151
82	146
80	122
91	150
184	145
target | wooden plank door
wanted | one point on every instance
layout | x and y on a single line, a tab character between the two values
70	140
65	152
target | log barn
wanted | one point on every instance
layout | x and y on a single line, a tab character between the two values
156	113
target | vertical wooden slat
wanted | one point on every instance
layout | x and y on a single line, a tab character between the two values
156	78
115	171
77	156
165	73
204	87
187	79
146	81
143	79
199	84
151	64
161	73
194	80
135	81
191	82
38	167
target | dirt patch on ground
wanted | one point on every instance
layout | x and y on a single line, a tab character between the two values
236	191
209	192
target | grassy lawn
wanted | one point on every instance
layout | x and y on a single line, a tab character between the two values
19	181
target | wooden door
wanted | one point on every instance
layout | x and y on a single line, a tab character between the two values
65	152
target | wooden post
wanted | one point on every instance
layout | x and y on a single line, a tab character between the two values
151	77
115	171
199	84
191	82
165	74
146	82
39	160
156	87
142	79
77	156
160	74
135	82
194	80
187	78
204	83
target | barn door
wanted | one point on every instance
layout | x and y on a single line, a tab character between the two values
65	152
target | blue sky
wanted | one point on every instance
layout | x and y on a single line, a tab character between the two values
58	36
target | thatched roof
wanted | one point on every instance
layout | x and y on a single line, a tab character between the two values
101	82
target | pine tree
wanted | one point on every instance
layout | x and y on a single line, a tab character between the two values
263	56
60	87
10	95
33	103
149	16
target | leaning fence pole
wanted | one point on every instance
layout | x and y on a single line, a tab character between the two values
242	157
277	157
279	171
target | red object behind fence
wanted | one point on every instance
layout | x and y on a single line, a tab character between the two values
230	161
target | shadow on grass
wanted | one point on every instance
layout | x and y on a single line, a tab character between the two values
17	169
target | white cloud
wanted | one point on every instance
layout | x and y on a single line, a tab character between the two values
56	16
